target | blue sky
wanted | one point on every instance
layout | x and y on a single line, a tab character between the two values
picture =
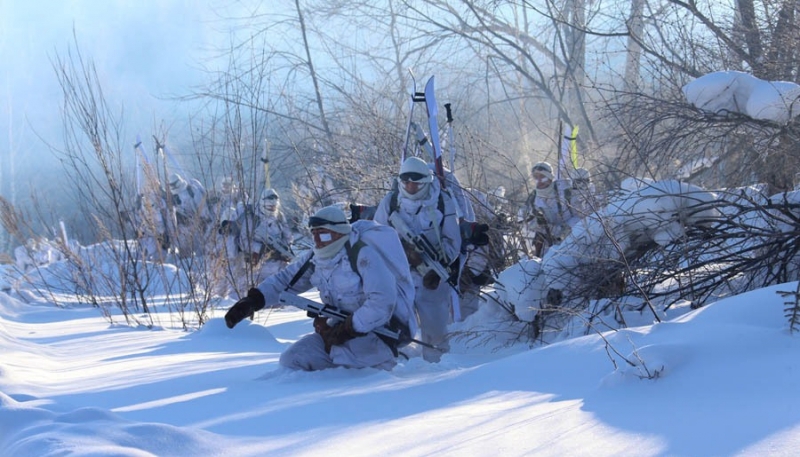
144	52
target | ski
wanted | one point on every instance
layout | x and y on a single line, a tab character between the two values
433	127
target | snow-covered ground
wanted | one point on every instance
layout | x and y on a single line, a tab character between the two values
724	382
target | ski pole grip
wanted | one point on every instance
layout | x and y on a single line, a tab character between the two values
449	113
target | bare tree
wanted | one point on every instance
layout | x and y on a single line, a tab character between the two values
98	168
689	40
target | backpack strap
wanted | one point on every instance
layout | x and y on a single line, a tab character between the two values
393	202
567	197
303	268
440	205
558	199
441	202
352	254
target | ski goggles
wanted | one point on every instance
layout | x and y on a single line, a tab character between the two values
270	197
418	178
540	168
316	222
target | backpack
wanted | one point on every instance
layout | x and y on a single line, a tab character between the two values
386	241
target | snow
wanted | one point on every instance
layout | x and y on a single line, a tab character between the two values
726	92
724	382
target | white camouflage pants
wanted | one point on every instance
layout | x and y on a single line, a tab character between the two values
433	310
308	354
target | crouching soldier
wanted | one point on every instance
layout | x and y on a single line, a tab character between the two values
363	288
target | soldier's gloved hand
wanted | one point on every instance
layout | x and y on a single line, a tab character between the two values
474	233
480	235
245	307
431	280
339	334
321	325
414	257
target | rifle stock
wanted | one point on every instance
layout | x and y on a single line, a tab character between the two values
320	309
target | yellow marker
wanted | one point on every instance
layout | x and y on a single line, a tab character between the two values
573	146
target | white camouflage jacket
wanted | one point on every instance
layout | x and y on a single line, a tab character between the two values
425	218
371	297
255	239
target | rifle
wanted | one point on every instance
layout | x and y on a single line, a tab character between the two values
540	238
425	248
315	309
277	245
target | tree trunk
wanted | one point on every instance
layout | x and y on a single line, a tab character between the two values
312	72
752	36
634	50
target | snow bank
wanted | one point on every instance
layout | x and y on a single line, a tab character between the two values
725	92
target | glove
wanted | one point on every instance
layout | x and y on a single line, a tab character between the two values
414	257
339	334
480	235
245	307
474	233
321	325
431	280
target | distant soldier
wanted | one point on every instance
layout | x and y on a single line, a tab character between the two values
191	213
547	209
227	205
265	237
